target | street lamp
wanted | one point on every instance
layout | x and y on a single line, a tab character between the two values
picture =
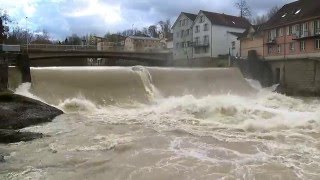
27	33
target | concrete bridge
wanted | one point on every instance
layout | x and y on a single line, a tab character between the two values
44	54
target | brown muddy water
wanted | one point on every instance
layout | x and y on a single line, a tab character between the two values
165	123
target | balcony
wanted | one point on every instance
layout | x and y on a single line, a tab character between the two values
200	44
306	35
271	41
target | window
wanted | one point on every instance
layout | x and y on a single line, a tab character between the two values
178	34
205	39
317	27
189	44
177	45
280	32
289	30
291	46
182	45
269	49
302	45
201	19
304	30
197	29
196	40
182	33
272	34
180	23
279	48
233	45
187	32
317	43
183	22
186	23
205	27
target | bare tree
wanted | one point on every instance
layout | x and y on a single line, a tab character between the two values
165	27
244	8
272	12
259	19
264	18
4	29
42	38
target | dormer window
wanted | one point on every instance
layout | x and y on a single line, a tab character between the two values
233	22
284	15
297	12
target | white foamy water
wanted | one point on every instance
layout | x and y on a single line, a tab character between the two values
189	133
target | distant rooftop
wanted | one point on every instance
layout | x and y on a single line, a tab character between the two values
295	11
144	38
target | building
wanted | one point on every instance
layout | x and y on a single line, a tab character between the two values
166	41
252	39
216	34
182	36
207	36
113	42
291	46
142	44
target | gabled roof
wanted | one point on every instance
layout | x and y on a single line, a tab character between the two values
227	20
294	12
237	34
256	28
192	17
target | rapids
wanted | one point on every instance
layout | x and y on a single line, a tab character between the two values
165	123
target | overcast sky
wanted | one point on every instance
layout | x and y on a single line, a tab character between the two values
64	17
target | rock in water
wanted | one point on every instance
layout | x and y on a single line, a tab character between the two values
12	136
17	111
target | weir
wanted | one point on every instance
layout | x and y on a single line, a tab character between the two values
128	85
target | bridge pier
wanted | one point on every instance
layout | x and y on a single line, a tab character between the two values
3	74
23	63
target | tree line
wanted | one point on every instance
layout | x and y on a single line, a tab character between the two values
18	35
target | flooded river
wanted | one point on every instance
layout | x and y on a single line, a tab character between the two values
165	123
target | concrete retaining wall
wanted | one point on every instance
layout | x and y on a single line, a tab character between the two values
299	76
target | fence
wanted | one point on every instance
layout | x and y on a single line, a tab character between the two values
60	47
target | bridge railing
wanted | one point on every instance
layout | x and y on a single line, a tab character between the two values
60	47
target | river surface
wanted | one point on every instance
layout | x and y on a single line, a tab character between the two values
165	123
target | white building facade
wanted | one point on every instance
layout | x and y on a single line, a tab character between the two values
210	35
182	36
216	35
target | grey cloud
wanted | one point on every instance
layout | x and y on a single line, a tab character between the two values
51	16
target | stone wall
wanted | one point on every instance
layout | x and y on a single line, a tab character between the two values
255	68
298	76
3	74
201	62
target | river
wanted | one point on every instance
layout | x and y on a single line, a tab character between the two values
165	123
